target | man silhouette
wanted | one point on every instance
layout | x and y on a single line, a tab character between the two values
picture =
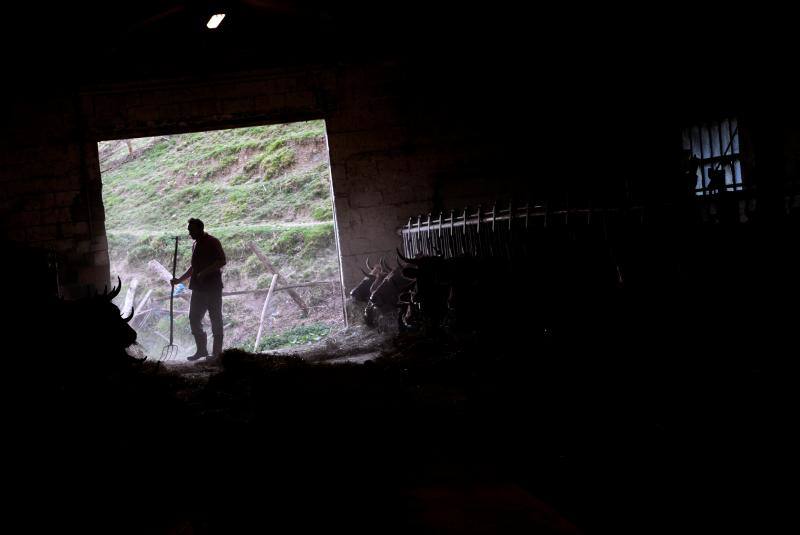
205	281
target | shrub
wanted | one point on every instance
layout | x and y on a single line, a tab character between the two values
253	265
304	334
289	242
322	213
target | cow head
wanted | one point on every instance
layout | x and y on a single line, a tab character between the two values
99	322
385	293
362	290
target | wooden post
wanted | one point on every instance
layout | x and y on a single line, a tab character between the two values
270	267
138	309
126	308
264	310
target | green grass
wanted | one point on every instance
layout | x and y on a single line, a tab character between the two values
241	176
294	247
304	334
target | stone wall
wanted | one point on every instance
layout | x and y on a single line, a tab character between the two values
392	153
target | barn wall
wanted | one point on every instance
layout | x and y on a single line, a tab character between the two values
405	138
395	148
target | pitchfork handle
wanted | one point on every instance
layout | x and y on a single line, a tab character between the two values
172	288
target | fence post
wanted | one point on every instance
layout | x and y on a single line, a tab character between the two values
264	311
261	256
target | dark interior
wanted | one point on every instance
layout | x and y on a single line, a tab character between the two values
568	403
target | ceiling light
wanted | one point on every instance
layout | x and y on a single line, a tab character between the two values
214	21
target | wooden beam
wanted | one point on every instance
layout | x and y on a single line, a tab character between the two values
136	312
262	257
129	296
279	288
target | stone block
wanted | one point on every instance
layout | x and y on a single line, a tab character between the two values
360	199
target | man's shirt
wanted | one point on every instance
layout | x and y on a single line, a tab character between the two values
205	252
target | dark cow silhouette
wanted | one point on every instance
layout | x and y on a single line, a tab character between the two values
385	293
361	292
97	319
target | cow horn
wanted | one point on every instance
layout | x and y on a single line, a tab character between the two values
128	318
403	258
114	291
364	272
366	261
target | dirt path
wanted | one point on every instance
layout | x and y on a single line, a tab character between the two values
274	224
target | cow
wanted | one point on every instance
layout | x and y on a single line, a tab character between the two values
361	292
430	279
385	292
91	328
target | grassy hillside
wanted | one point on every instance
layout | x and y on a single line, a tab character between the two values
227	177
268	185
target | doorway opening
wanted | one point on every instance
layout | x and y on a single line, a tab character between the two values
265	193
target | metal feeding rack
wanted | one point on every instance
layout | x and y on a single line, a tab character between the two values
494	231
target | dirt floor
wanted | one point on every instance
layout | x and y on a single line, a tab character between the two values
355	344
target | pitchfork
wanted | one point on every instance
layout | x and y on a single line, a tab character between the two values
171	350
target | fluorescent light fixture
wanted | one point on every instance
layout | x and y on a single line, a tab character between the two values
215	20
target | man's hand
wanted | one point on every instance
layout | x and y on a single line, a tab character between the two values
175	281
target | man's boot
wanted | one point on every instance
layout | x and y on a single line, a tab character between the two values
201	341
216	350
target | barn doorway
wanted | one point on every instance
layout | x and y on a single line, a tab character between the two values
265	193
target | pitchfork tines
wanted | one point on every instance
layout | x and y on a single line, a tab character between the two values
169	352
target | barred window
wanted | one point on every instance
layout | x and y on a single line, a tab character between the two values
714	148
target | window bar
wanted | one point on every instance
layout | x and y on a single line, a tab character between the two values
731	134
721	154
702	161
691	151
